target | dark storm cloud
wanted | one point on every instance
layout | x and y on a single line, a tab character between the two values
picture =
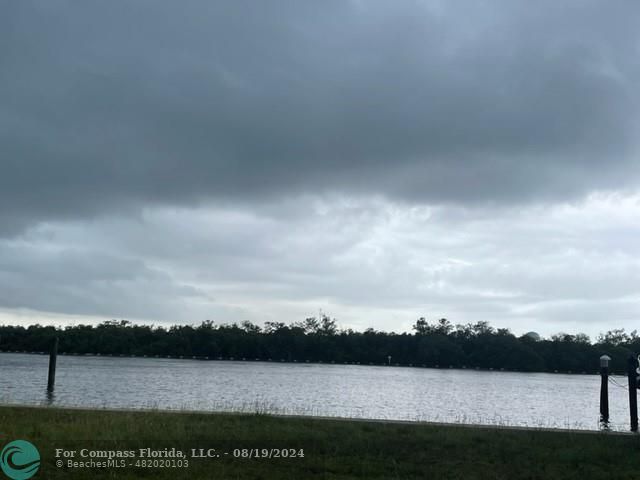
110	107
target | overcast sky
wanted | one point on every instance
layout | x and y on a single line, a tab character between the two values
172	162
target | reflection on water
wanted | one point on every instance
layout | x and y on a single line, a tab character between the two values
463	396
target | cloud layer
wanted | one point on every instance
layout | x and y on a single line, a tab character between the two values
109	108
371	263
382	159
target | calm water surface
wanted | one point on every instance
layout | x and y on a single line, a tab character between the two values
422	394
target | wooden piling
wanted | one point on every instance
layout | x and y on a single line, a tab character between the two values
632	374
53	356
604	389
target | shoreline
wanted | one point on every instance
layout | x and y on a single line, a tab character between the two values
335	448
478	426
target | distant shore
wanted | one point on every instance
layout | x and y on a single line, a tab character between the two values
252	360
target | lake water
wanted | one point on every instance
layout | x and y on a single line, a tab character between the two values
398	393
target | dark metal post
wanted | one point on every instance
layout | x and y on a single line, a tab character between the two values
633	392
53	356
604	389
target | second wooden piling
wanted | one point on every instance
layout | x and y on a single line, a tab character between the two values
632	375
604	390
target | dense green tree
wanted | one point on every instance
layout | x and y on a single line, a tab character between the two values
476	345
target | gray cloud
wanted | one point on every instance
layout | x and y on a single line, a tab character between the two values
383	160
70	279
107	108
370	263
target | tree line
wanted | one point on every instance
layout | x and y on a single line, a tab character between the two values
431	344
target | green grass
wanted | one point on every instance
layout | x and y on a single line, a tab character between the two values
332	449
